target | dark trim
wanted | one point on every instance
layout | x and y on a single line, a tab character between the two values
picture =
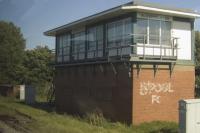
185	62
115	18
70	51
56	51
71	48
86	41
182	19
192	42
104	40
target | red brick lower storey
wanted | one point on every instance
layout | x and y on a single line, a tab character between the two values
124	94
156	93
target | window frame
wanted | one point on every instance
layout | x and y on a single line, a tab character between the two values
154	17
75	47
60	45
96	50
113	45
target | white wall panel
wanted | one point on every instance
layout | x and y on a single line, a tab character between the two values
182	30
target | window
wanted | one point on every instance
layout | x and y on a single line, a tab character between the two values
166	32
66	48
119	34
141	31
95	42
63	48
59	49
78	47
152	29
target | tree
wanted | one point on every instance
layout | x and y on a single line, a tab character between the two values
37	69
12	45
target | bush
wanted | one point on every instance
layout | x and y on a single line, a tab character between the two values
159	127
95	118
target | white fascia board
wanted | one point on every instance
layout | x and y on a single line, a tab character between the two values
191	15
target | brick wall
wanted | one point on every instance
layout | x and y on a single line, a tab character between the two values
83	89
140	97
156	95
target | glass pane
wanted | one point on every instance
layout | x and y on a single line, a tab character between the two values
165	32
95	41
128	32
140	31
99	33
92	39
60	45
154	31
118	33
66	44
111	34
78	47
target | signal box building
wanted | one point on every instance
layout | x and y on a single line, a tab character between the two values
133	63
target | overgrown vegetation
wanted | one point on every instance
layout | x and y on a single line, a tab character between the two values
40	118
37	70
20	66
197	63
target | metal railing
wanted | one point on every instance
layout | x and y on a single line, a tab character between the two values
138	47
143	50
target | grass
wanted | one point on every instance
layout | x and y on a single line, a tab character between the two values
16	117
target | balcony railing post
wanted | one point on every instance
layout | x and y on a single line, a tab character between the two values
172	47
161	51
144	47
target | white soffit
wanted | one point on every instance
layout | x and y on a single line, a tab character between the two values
163	11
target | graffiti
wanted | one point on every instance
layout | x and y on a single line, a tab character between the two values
149	88
155	99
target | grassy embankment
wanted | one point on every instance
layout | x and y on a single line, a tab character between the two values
16	117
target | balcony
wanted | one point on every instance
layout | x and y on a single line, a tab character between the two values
135	52
145	52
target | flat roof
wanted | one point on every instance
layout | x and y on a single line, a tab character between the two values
125	8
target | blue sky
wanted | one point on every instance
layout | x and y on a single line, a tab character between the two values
36	16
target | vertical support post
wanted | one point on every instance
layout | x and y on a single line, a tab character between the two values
144	47
114	69
138	69
160	42
172	47
104	41
161	52
155	67
171	67
177	47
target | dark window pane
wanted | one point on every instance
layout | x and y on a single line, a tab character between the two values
165	32
140	31
95	41
119	33
154	31
128	32
78	47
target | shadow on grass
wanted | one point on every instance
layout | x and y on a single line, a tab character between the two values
41	105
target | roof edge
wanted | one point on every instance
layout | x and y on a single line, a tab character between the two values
186	14
135	6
